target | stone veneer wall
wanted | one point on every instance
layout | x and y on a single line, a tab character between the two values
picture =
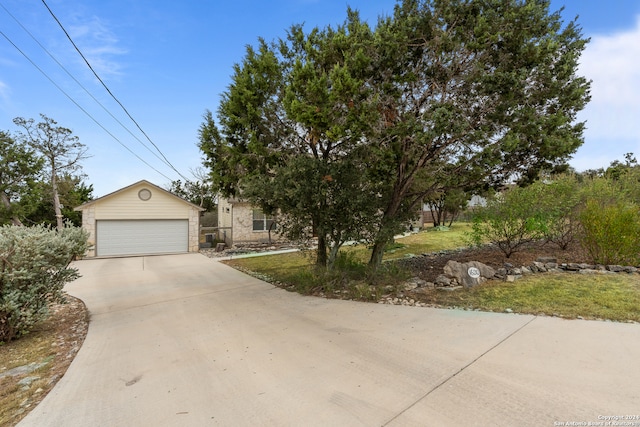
194	230
89	224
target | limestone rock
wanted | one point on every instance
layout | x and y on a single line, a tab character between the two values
443	280
468	274
418	282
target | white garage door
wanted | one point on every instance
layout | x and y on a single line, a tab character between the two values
141	237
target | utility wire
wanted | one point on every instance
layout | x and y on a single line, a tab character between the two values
84	88
109	91
78	105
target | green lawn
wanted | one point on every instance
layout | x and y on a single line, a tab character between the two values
597	296
282	266
427	241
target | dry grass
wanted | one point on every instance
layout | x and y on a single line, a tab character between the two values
51	348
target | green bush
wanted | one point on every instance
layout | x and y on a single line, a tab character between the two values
557	201
510	220
34	267
611	232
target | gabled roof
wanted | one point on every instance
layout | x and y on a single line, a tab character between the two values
143	182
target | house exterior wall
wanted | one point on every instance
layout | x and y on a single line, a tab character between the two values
89	225
194	230
225	221
127	204
239	216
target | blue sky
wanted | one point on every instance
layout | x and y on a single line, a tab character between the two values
168	61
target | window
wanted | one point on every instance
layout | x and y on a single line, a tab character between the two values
144	194
262	222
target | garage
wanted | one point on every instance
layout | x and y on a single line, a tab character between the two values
132	237
141	219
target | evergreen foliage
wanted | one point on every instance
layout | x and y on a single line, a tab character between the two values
20	170
442	95
34	267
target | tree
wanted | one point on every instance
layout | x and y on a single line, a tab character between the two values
19	170
198	191
447	205
72	190
468	88
291	127
61	151
443	95
617	169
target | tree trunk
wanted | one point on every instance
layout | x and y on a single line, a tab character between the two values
377	253
333	254
321	254
56	201
7	204
385	233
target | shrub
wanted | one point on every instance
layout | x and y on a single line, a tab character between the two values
510	220
557	201
34	267
611	232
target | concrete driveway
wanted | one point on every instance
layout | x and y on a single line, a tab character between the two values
186	341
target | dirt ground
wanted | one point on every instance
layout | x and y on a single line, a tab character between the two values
428	267
31	366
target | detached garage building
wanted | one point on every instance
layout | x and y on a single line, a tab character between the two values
141	219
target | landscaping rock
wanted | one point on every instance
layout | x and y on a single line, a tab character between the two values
408	286
469	274
418	282
587	266
443	280
571	267
539	266
451	288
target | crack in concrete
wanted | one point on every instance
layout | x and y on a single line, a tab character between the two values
457	373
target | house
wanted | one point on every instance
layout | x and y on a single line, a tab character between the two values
141	219
239	222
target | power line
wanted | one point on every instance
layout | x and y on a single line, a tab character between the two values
109	91
78	105
80	84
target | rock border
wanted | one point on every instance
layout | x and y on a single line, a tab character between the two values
453	277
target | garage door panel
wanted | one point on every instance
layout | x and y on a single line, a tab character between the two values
141	237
